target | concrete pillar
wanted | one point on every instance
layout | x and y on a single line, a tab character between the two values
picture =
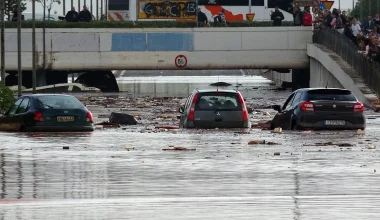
300	78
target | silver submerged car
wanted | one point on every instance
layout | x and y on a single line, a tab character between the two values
214	109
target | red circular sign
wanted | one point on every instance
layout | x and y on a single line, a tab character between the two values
180	61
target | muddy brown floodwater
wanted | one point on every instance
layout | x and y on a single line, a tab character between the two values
123	173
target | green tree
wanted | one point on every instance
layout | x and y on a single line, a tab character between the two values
11	4
364	8
49	5
6	98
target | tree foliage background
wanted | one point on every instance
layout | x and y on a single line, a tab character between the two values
363	8
6	98
11	4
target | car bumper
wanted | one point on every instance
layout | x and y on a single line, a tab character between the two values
60	129
190	124
352	121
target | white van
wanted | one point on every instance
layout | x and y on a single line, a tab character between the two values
40	16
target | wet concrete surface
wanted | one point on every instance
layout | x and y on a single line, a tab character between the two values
123	173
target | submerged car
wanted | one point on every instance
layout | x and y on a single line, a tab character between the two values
214	109
320	109
44	112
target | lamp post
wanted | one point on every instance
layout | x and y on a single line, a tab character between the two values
19	47
2	6
34	77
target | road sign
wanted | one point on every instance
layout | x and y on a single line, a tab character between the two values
181	61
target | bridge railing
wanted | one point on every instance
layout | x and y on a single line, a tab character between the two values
349	52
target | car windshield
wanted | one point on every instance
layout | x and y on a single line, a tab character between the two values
59	102
218	101
331	95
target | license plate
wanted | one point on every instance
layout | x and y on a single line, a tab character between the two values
65	118
335	122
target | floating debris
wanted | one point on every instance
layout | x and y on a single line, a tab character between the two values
172	148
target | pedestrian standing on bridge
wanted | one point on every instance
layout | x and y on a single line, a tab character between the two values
85	15
202	18
277	17
307	18
72	16
298	16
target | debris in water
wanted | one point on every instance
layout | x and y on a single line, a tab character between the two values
277	154
266	113
167	127
371	147
108	125
66	148
360	132
277	130
129	148
178	149
256	142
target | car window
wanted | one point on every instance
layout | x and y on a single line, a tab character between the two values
288	101
24	106
222	101
296	99
58	102
330	95
14	107
188	101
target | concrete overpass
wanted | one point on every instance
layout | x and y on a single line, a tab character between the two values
157	48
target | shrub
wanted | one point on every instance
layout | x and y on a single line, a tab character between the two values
6	98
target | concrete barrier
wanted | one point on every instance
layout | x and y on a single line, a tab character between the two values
328	69
155	48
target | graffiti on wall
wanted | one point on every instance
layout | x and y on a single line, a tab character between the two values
167	9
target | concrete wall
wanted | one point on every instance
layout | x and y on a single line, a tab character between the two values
327	67
204	48
321	77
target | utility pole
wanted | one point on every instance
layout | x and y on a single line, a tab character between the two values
2	6
97	9
369	7
34	77
19	47
72	5
64	7
250	6
78	6
339	4
101	8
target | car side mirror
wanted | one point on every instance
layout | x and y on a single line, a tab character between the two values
250	110
181	110
277	108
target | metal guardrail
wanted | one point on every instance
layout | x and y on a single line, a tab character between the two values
369	70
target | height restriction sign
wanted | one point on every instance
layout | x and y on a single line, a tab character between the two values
181	61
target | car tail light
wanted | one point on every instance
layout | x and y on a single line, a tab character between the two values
245	111
358	107
89	118
192	108
307	107
38	116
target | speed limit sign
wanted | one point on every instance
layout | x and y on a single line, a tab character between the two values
181	61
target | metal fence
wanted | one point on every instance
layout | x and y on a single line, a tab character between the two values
369	70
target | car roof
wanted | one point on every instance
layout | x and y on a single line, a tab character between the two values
311	89
216	90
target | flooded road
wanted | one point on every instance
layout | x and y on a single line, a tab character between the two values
124	173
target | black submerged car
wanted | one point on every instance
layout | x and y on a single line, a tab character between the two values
54	113
320	109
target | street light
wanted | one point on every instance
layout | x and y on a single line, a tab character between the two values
2	6
34	77
19	46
